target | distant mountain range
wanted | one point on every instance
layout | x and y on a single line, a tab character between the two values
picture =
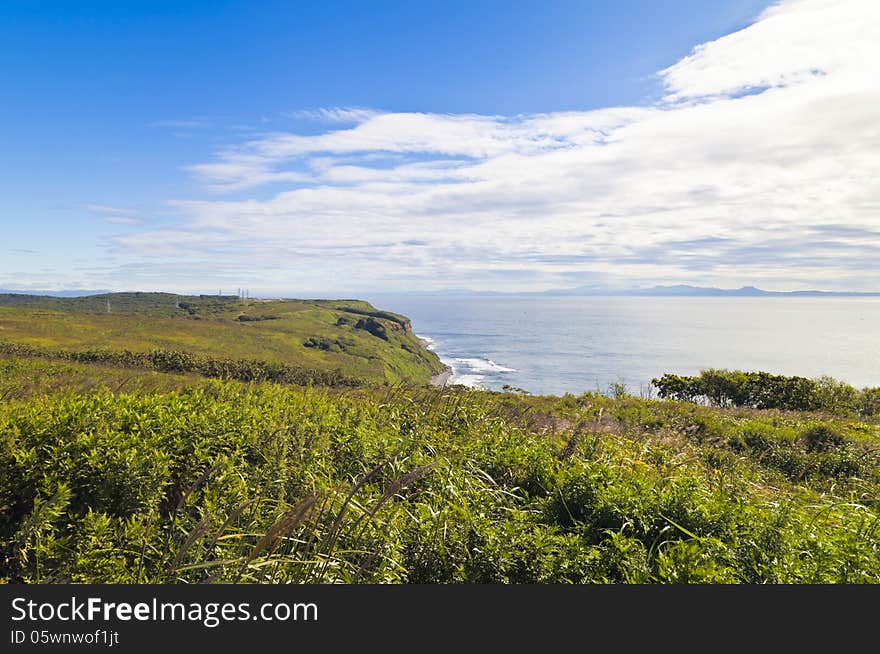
680	290
684	290
71	293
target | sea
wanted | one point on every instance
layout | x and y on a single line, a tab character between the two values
557	345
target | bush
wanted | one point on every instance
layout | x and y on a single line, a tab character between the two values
246	370
762	390
327	344
821	438
259	318
373	327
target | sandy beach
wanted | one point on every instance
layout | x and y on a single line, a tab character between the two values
442	378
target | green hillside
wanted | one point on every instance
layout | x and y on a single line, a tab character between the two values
347	337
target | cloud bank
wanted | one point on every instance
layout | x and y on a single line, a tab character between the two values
760	165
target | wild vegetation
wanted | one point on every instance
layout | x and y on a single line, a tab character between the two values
132	465
761	390
186	479
183	362
252	335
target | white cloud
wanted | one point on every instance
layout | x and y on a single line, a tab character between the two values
113	215
123	220
760	166
335	114
103	209
791	43
181	124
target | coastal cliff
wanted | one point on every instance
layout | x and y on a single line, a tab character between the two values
347	339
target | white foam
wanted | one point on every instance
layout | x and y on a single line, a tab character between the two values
467	371
467	380
427	340
482	365
472	371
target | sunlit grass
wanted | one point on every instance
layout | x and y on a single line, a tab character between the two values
180	479
228	329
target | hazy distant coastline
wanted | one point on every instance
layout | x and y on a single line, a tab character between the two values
68	293
680	290
684	290
557	345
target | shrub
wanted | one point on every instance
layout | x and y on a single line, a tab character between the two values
259	318
821	438
245	370
373	327
762	390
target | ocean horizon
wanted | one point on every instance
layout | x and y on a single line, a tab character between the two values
556	345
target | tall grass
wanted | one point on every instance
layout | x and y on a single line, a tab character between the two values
271	484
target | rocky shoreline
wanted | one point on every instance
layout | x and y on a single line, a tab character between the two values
442	378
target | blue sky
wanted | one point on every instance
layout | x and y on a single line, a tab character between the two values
353	147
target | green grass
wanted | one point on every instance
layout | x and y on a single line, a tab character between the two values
22	378
119	464
183	479
318	335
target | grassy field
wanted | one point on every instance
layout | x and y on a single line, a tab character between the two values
123	460
349	337
117	475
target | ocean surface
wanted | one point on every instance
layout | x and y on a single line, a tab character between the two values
556	345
